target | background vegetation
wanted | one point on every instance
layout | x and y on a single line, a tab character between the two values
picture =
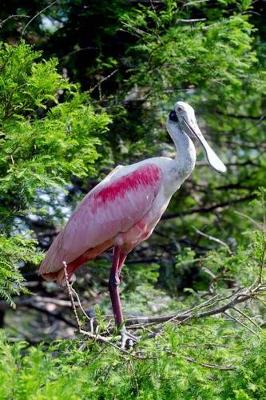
85	85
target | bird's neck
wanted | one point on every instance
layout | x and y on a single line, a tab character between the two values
185	151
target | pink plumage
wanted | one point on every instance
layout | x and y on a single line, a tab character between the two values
104	219
125	207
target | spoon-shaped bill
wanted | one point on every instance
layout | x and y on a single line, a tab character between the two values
214	161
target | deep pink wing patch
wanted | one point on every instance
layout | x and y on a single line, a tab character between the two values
146	176
112	207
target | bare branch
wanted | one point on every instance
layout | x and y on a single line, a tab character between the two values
240	323
238	297
246	316
37	15
262	262
15	16
103	80
212	366
58	316
214	239
239	116
210	208
192	20
70	293
258	225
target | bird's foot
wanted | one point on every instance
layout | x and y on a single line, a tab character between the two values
127	339
92	325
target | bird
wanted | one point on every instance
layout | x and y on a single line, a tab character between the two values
124	208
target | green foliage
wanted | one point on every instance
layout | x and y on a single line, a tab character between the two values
14	252
245	263
137	59
216	55
26	85
39	150
218	267
203	360
210	57
49	133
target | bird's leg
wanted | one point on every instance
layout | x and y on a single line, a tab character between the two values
122	258
127	339
114	282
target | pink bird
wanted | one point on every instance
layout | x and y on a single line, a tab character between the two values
123	209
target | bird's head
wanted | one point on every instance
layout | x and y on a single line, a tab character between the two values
183	116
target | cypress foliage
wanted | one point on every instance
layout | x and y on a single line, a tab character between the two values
49	132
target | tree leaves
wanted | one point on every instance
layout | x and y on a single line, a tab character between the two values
49	133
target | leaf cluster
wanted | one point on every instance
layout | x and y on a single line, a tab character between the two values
15	251
207	360
49	132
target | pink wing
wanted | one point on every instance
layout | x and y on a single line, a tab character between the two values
110	208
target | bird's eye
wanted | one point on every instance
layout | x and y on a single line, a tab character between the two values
173	116
179	109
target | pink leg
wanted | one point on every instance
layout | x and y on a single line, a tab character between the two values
122	259
114	281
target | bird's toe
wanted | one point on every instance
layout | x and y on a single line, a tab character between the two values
127	339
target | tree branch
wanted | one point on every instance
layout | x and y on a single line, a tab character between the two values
241	116
208	209
239	297
37	15
12	17
33	304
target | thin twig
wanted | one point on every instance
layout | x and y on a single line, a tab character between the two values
214	239
258	225
91	320
212	366
70	293
49	313
103	80
202	364
206	303
79	303
246	316
36	15
210	208
102	339
96	337
262	262
240	322
210	273
239	297
51	300
192	20
11	17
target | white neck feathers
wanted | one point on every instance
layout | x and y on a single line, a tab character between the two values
185	150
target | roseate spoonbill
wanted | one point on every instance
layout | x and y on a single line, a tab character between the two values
123	209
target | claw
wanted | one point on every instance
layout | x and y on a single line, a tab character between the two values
92	325
127	339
